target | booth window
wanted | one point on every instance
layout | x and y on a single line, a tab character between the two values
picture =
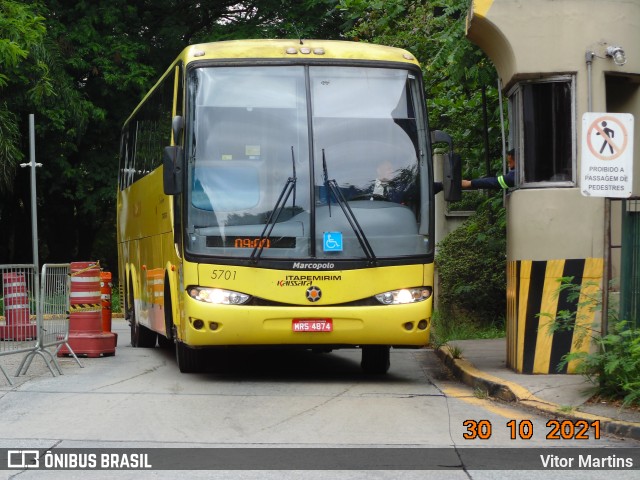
542	131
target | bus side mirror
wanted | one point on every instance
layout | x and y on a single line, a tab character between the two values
452	178
172	161
452	168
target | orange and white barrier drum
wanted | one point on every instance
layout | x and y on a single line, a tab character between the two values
85	286
18	325
86	335
16	298
105	297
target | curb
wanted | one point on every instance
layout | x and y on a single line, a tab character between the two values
512	392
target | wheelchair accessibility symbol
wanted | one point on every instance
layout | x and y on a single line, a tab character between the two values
332	242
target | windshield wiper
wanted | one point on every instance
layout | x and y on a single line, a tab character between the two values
289	186
346	209
326	181
293	165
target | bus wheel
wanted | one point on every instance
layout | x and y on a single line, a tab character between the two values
164	342
141	336
188	358
375	359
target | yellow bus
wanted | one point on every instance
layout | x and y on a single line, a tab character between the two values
279	193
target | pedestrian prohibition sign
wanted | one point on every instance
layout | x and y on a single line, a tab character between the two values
607	155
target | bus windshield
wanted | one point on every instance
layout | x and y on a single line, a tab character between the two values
257	132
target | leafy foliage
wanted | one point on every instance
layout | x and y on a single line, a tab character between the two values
21	30
443	330
455	71
471	264
81	67
614	364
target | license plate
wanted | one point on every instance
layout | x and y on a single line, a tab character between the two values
312	325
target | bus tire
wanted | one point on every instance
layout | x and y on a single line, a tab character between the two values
375	359
188	358
166	341
141	336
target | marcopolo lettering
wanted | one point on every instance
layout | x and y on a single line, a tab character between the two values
313	266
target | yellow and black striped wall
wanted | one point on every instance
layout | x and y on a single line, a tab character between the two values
533	299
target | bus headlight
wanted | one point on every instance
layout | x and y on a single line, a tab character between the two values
218	296
404	295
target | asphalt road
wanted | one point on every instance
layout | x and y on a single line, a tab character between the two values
270	400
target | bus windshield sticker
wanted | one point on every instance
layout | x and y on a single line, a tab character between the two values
332	242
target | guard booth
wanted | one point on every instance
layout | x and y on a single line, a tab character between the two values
557	60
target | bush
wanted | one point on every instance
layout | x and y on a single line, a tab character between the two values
614	365
470	202
461	328
472	267
116	301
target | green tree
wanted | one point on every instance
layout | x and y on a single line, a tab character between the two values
106	61
21	33
456	72
81	76
31	81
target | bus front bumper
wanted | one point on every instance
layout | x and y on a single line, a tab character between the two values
216	325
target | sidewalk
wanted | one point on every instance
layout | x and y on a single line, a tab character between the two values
483	365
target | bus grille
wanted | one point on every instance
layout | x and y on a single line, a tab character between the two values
365	302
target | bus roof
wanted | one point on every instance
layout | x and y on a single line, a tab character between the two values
285	49
289	49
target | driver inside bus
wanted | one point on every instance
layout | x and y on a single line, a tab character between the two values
383	183
397	184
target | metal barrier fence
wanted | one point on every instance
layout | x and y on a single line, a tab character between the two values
53	317
18	324
34	314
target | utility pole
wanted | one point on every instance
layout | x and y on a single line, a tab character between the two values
34	210
34	207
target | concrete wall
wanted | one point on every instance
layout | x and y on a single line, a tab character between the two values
551	231
534	38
